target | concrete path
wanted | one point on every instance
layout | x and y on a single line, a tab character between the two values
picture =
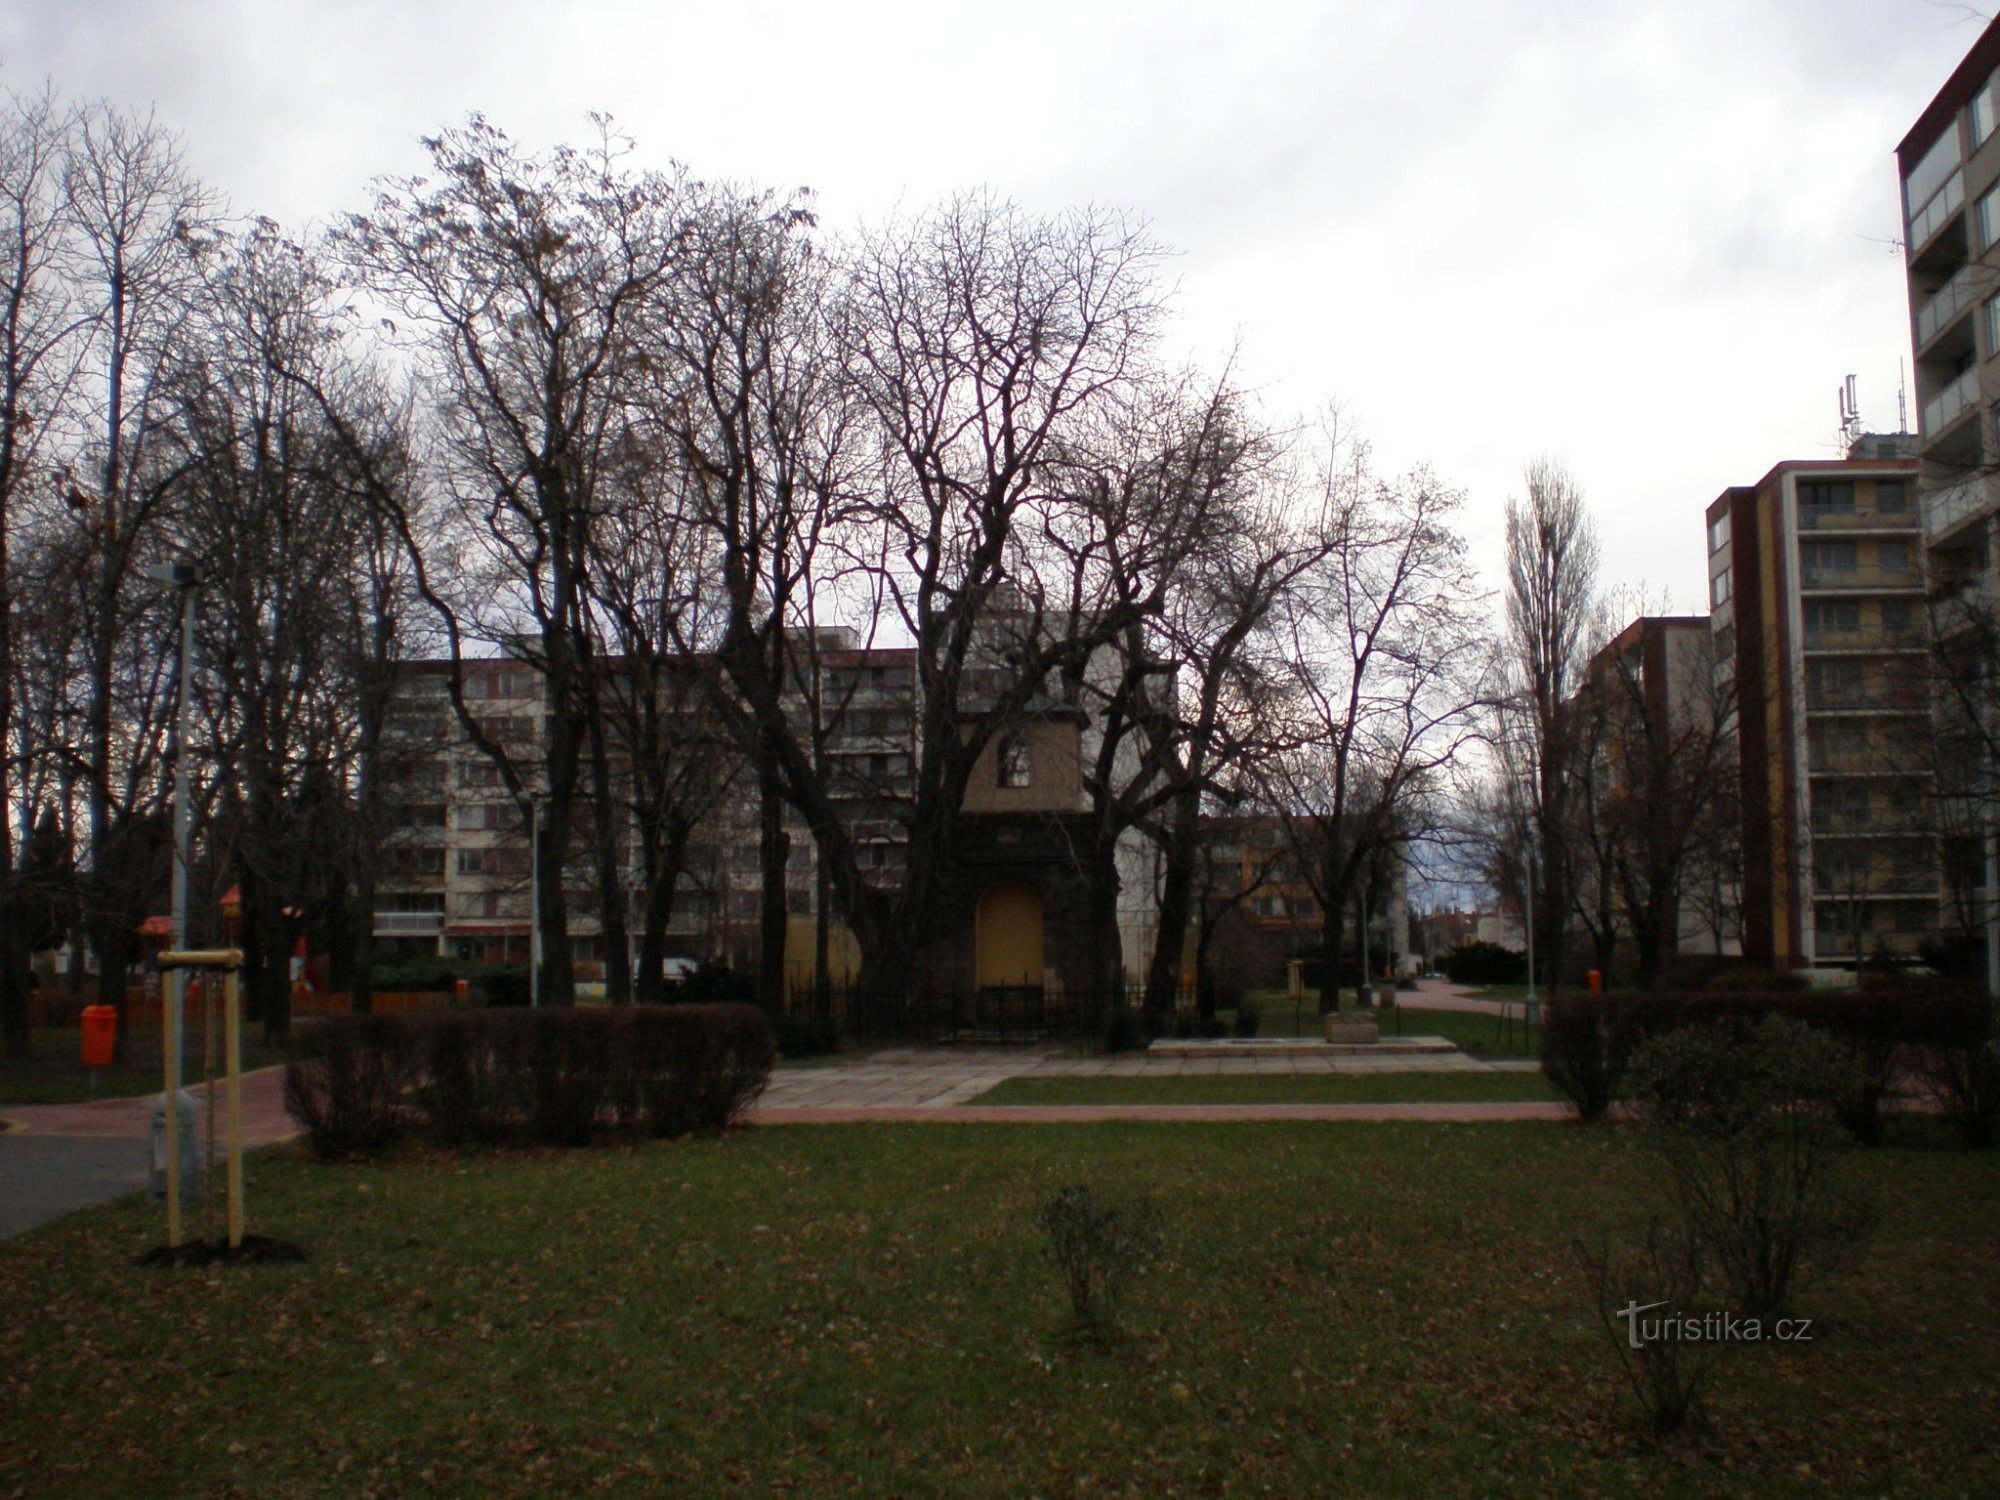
56	1158
45	1177
940	1083
1056	1114
1442	994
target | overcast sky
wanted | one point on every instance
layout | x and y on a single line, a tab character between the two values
1648	238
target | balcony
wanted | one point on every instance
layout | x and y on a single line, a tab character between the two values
1963	604
409	923
1859	823
1952	298
1855	518
1949	507
1875	578
1937	212
1951	403
1864	700
1870	639
1868	759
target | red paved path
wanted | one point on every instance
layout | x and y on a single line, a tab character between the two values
264	1117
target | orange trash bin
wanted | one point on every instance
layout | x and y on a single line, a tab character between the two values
100	1035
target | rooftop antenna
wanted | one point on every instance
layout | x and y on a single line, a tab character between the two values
1902	402
1850	416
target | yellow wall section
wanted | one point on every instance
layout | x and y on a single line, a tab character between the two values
1010	935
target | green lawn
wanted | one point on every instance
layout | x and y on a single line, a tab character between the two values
1382	1309
54	1072
1273	1088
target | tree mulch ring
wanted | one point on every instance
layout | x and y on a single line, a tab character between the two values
256	1250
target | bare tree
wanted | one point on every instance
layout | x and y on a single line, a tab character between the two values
1551	592
1386	650
527	283
974	342
1653	758
1963	667
38	337
135	214
273	508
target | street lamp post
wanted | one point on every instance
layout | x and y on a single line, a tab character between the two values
1529	868
185	577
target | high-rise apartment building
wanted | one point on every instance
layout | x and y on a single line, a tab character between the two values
1950	168
1817	612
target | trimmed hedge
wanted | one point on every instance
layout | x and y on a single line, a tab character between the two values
1937	1034
1484	963
344	1082
559	1077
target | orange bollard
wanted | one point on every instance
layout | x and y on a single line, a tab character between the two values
100	1035
1596	982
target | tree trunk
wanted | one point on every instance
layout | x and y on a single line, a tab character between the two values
361	950
1333	933
1163	974
614	935
774	848
1106	886
15	980
663	855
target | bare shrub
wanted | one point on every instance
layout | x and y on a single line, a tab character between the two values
1099	1247
344	1082
1741	1117
1666	1370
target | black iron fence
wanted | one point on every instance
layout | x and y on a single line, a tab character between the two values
957	1013
1021	1013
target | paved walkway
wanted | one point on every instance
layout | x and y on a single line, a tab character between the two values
56	1158
264	1117
935	1078
43	1177
1442	994
1056	1114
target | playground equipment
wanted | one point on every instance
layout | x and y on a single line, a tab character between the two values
230	962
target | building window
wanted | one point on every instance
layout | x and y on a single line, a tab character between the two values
1016	767
1986	218
478	773
1982	114
1822	561
1827	496
1831	617
1892	497
1931	172
1718	532
1718	589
